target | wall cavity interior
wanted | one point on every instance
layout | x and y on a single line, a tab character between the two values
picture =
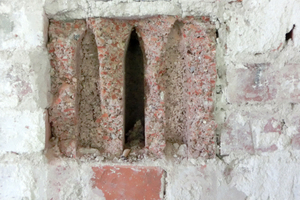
172	98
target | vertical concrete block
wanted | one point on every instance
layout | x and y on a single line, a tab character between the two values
111	37
199	56
65	38
153	32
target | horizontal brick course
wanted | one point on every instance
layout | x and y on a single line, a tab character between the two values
264	82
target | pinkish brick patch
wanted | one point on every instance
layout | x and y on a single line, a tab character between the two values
251	84
63	47
264	83
237	135
195	71
288	82
122	182
200	49
111	36
154	34
251	132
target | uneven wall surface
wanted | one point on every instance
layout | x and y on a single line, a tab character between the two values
255	101
79	85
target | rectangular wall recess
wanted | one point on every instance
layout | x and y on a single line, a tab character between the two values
133	83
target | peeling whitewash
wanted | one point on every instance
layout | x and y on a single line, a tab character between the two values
250	32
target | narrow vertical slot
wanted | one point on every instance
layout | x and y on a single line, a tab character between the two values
134	116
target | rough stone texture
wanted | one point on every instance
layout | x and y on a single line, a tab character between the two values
102	126
200	51
189	79
154	37
63	48
175	91
119	182
111	37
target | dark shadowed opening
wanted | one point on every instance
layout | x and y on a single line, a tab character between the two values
134	93
289	35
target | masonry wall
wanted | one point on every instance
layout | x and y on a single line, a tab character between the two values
255	102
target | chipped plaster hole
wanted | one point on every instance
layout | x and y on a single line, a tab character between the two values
134	93
289	35
103	102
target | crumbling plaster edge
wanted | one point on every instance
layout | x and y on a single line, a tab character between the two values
128	9
220	13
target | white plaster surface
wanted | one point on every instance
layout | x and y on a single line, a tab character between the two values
24	76
249	31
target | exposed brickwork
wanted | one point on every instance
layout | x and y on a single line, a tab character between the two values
261	130
189	75
193	77
175	95
251	84
121	182
251	132
288	83
264	83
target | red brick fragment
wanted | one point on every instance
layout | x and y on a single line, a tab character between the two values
128	182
